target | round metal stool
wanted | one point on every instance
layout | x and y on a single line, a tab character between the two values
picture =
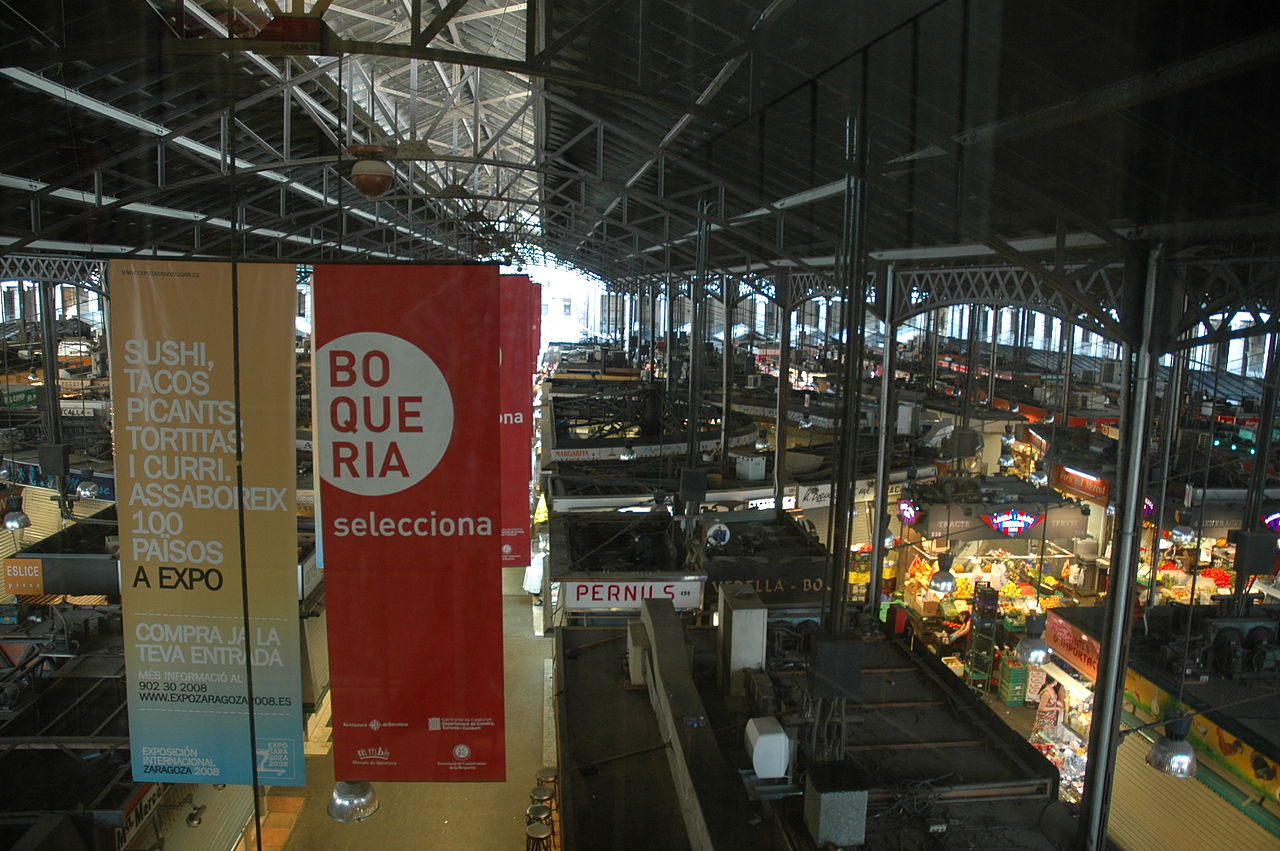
538	813
546	777
544	795
537	837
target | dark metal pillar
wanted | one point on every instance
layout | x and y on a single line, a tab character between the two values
669	356
971	364
850	274
827	333
1261	462
1168	434
995	355
934	334
1262	440
782	302
1068	331
1104	733
697	332
49	362
729	296
651	349
888	421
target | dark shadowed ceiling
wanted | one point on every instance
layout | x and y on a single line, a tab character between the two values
606	132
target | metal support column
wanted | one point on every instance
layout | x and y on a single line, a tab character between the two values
885	447
729	295
1168	434
651	346
934	334
1261	462
1068	331
1104	733
49	362
783	305
697	332
669	356
995	355
850	273
971	363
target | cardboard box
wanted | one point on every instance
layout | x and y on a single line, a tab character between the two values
922	602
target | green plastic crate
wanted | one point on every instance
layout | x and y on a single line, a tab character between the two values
1014	695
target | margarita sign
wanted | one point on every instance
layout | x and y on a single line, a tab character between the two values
1013	522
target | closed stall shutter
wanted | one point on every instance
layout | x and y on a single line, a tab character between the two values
315	654
860	531
1151	811
46	518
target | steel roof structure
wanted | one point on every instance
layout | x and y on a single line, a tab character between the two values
994	152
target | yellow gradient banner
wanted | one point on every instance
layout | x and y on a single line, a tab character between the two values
195	526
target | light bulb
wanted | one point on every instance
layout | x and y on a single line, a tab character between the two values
943	580
1182	534
1033	651
1172	753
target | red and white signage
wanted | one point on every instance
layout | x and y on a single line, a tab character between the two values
515	396
1078	649
409	510
599	594
1082	484
1012	522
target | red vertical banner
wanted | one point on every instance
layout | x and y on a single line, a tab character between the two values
515	396
410	519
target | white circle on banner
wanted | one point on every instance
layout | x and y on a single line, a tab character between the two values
386	411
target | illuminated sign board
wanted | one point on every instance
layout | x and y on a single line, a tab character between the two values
1013	522
909	512
1272	521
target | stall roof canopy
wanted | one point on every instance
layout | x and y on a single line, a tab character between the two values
1042	137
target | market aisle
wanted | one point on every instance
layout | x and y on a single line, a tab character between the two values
449	816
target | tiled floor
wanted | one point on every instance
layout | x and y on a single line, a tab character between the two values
440	816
